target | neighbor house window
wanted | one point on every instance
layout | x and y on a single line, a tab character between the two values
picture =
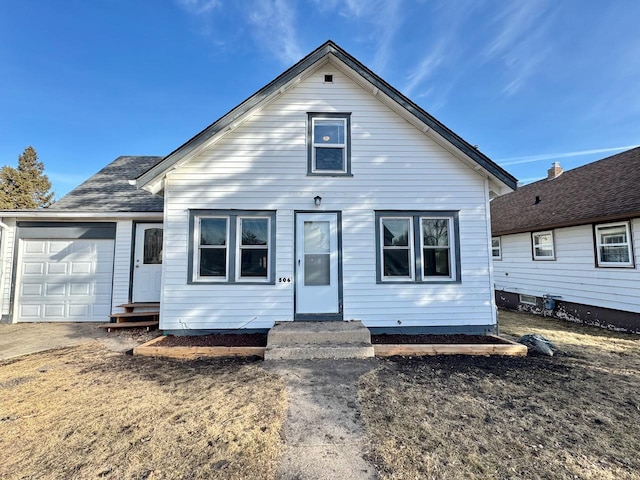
496	248
232	246
613	245
328	142
543	245
417	247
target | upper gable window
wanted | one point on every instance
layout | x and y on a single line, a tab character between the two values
329	144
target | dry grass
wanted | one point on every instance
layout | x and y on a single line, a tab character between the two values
84	412
575	415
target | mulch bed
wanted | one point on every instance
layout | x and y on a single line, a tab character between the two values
216	340
427	339
260	340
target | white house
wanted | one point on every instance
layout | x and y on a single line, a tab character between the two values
326	195
575	238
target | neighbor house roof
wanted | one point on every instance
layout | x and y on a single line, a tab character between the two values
110	190
329	49
608	189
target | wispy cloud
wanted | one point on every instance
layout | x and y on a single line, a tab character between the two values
519	43
199	7
273	23
558	156
382	18
427	66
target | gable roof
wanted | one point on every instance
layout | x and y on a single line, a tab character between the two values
327	51
604	190
110	190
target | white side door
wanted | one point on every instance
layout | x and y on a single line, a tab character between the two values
317	266
147	263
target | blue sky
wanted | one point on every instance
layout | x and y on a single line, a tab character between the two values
529	82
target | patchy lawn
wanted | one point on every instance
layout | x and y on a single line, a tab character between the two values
575	415
85	412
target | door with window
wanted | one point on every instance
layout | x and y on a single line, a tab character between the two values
318	272
147	262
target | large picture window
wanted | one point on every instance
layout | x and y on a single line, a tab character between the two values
613	245
417	247
328	142
232	246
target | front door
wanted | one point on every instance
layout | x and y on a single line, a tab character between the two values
318	269
147	263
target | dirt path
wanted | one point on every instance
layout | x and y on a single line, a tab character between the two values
324	437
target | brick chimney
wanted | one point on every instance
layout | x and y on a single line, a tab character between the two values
555	171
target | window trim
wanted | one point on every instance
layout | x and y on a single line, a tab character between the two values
416	244
311	146
629	243
239	278
533	246
499	247
452	252
198	248
233	246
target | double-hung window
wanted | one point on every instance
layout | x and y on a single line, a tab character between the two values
613	245
543	245
329	144
232	246
417	247
496	248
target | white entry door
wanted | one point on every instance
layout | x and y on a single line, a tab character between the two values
147	263
317	267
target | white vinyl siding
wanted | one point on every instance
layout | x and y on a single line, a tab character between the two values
574	275
262	165
122	265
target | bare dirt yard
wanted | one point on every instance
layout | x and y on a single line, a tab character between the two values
86	412
572	416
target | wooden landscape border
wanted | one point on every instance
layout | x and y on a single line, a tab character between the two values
150	349
416	350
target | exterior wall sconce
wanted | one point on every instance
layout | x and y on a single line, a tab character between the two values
317	200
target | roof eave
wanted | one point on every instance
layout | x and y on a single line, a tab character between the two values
573	223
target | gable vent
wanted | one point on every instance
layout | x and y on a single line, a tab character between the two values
328	78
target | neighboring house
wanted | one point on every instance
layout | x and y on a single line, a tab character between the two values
326	195
574	237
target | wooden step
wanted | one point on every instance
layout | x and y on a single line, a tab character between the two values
140	305
113	326
130	307
125	316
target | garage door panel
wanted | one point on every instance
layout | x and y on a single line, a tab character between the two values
57	269
33	268
65	280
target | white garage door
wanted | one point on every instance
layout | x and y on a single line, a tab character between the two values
64	280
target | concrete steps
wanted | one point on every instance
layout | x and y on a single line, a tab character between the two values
308	340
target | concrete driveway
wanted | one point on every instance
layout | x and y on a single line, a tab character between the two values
25	338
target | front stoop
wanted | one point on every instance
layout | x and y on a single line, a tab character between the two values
308	340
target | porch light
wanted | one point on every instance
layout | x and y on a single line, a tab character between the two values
317	200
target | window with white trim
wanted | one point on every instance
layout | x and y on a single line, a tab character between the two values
417	247
232	246
496	248
613	245
543	245
328	142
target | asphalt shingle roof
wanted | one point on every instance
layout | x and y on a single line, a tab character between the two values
109	189
607	189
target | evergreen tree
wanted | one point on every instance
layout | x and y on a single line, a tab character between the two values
25	187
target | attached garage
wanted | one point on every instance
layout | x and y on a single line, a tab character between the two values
66	279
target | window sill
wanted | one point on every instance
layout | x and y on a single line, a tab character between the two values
329	174
417	282
212	282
